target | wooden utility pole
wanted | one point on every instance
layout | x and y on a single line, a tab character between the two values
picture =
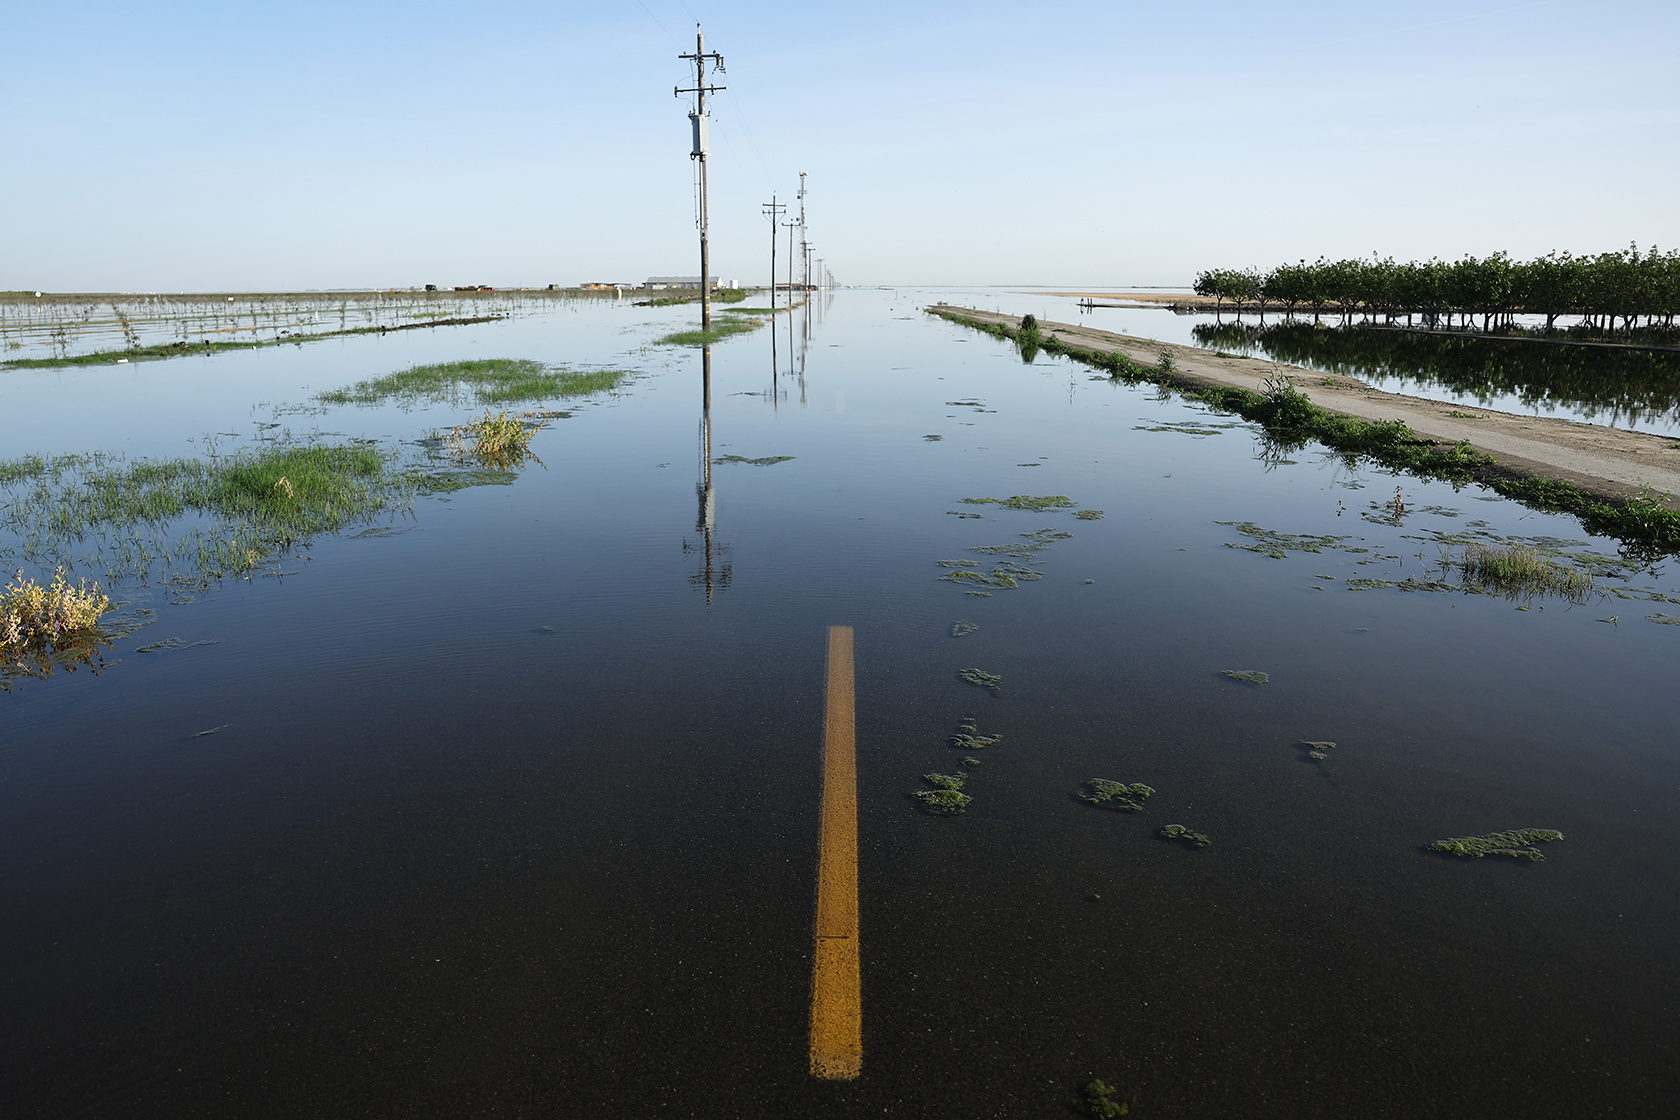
698	120
771	210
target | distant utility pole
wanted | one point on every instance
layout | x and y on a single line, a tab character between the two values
698	120
771	211
804	245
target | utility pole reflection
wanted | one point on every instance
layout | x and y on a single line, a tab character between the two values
715	571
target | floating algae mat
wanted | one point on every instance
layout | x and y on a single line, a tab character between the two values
1247	676
766	461
1515	843
1189	836
1316	750
1116	795
1025	501
1033	543
947	799
1187	427
1002	577
170	645
1271	543
983	679
1102	1102
962	628
968	735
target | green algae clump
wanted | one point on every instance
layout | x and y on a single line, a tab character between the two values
1315	750
1179	832
984	680
1117	795
1026	501
969	738
766	461
1100	1101
1513	843
1247	676
948	799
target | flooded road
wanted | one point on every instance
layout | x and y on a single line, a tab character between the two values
513	801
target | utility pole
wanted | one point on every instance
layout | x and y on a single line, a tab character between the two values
804	245
771	210
790	227
698	121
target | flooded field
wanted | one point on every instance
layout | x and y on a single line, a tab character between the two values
501	795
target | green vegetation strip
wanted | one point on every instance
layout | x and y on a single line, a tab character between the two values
1641	521
705	336
485	381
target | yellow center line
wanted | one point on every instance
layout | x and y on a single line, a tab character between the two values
837	975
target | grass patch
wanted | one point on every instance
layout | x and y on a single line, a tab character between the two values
719	295
482	382
705	336
1520	569
496	440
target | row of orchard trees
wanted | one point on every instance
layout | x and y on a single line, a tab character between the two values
1604	290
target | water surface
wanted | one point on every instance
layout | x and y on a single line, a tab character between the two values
514	810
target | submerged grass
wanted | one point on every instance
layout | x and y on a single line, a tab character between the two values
485	381
1517	843
1643	521
232	510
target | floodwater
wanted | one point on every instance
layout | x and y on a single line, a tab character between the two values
513	806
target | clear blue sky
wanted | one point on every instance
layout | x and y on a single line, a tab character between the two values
210	147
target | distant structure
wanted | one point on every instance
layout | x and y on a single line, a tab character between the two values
686	282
